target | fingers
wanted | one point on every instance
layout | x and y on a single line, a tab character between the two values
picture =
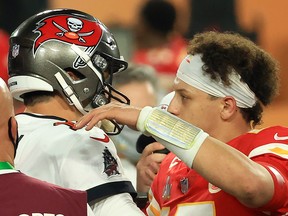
145	177
143	183
88	120
148	166
121	113
94	116
152	147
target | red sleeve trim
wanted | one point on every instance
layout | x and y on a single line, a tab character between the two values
280	188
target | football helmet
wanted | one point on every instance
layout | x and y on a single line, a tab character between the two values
48	46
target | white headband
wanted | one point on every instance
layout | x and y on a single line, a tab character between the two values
190	71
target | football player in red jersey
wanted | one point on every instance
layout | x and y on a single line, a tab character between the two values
61	64
220	164
22	194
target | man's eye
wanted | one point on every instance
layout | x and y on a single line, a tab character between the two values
184	97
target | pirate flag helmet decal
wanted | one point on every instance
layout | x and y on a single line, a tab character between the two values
49	46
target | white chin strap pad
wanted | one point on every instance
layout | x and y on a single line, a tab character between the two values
69	93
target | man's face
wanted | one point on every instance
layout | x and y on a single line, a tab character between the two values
195	106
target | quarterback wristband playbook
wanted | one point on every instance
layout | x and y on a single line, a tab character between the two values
179	136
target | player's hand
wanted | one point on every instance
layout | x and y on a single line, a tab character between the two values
148	166
121	113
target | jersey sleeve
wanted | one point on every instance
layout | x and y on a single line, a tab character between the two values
280	180
153	208
120	205
272	153
89	211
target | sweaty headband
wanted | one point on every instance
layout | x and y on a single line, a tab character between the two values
190	71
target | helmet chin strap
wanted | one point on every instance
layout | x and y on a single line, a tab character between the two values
72	98
69	93
67	89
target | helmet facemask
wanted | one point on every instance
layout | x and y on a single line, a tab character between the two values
104	68
107	95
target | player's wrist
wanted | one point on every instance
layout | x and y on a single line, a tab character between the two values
180	137
142	119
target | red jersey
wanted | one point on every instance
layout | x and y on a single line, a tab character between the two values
164	59
178	190
26	196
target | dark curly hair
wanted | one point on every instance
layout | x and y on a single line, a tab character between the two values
222	52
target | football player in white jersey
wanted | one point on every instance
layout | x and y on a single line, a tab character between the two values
30	194
61	64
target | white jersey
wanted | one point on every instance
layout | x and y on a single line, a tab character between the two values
51	150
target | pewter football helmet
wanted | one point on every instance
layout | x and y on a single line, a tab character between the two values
48	45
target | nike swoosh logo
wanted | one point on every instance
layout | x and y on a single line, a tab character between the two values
105	139
277	137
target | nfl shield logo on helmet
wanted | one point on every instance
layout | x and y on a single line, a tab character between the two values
15	50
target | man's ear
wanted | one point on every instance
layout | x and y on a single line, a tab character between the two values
13	130
229	108
73	76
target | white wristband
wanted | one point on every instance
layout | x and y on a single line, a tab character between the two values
142	119
186	155
179	136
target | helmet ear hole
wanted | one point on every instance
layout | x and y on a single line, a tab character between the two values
74	75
